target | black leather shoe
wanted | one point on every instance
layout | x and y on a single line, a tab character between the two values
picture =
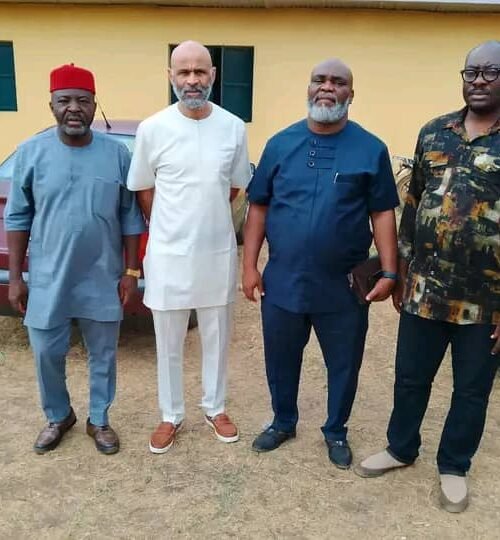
105	438
52	433
270	439
339	453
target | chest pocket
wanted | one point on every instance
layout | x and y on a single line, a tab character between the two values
485	184
105	197
348	186
436	163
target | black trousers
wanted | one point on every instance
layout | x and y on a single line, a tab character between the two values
421	347
341	336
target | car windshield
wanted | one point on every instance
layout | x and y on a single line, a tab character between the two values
127	140
7	167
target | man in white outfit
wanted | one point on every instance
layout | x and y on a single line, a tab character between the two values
190	160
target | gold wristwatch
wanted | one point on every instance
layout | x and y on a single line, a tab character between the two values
132	272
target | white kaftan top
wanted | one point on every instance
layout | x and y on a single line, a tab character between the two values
191	256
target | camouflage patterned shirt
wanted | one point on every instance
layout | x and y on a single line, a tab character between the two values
449	229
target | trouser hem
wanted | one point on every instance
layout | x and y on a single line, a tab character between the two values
57	418
172	419
286	429
99	419
451	471
213	412
395	456
332	437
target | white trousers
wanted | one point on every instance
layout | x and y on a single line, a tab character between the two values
214	324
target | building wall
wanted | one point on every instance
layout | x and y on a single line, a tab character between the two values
405	64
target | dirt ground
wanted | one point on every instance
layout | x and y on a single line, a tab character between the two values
205	489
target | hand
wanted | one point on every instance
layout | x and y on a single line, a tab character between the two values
381	291
127	289
18	295
398	295
496	336
252	279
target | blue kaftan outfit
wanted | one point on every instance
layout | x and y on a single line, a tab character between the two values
75	204
320	191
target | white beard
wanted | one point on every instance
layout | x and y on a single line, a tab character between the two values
192	103
327	115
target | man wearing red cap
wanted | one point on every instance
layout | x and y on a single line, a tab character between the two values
69	201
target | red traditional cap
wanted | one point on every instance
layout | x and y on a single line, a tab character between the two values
71	76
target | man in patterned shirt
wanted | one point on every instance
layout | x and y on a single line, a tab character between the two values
449	288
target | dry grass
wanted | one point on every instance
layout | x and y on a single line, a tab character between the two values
205	489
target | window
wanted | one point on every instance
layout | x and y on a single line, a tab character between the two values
233	86
8	101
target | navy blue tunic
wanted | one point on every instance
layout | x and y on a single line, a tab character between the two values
320	191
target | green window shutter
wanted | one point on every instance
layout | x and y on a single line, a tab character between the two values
237	81
173	97
216	54
8	101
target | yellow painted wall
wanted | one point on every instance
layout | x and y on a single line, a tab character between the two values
405	64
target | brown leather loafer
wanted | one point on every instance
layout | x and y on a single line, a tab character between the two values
106	440
52	433
224	428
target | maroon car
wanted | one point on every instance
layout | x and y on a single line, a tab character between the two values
124	131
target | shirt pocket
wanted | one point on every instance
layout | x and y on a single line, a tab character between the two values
105	197
351	182
347	186
436	163
485	183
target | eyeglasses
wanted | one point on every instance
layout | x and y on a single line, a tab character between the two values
489	74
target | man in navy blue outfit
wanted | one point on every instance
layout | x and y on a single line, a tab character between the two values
319	184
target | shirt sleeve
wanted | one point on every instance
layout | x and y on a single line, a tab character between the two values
20	208
241	173
142	174
406	243
131	219
260	189
383	194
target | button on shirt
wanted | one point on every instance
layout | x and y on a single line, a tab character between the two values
75	204
450	225
320	191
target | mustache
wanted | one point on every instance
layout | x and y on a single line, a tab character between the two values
73	116
332	97
197	88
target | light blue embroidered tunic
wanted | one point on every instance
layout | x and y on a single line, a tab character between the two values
75	203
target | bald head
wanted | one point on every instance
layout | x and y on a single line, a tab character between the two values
192	76
333	65
330	93
190	51
481	87
489	49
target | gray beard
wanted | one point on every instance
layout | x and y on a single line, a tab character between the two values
327	115
193	103
75	132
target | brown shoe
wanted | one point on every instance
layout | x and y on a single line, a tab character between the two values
105	438
224	429
163	437
52	433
